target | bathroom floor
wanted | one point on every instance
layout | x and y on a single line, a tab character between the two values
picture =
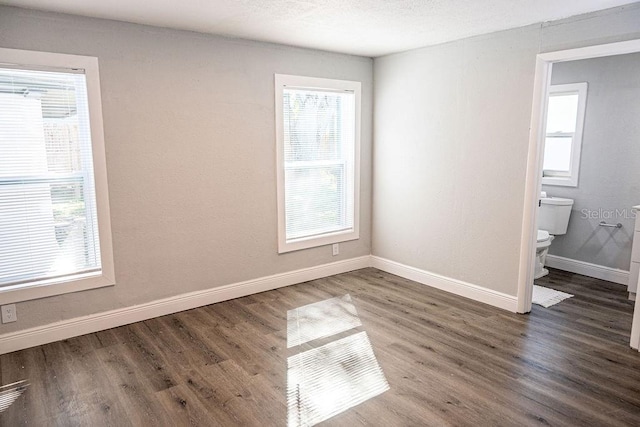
598	307
360	348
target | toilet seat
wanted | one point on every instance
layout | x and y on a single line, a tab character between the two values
542	247
544	239
543	236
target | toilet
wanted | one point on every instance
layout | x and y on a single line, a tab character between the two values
553	220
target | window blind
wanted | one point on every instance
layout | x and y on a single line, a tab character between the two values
48	220
319	152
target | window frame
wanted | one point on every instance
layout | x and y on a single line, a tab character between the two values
283	81
34	60
570	178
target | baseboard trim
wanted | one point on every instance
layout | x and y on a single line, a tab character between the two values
31	337
454	286
587	269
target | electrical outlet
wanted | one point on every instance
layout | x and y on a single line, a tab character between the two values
9	313
335	248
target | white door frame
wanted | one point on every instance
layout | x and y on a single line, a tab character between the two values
533	183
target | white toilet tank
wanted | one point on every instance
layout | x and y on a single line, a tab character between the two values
553	215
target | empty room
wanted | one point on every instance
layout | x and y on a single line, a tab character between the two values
298	213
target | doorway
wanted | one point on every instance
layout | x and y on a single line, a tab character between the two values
533	186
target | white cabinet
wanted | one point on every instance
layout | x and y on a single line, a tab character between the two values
634	271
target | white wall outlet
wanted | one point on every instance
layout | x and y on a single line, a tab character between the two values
9	313
335	248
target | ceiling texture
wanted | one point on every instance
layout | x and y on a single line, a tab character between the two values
360	27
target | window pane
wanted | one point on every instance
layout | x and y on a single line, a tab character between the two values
48	222
314	200
562	113
319	146
557	154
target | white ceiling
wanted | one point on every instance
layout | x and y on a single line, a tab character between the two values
361	27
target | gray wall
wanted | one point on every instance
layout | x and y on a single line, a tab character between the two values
190	143
189	128
451	129
609	180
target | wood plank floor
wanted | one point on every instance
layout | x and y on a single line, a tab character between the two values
447	360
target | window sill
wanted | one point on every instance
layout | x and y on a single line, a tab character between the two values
49	288
560	181
313	242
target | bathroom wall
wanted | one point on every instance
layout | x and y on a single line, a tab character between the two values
451	128
190	143
609	180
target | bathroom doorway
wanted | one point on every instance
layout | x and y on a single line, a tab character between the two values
562	168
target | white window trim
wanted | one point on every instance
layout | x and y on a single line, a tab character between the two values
282	81
79	282
570	179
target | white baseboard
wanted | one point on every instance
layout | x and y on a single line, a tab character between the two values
31	337
19	340
458	287
587	269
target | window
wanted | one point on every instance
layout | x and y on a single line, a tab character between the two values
318	134
55	235
563	139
